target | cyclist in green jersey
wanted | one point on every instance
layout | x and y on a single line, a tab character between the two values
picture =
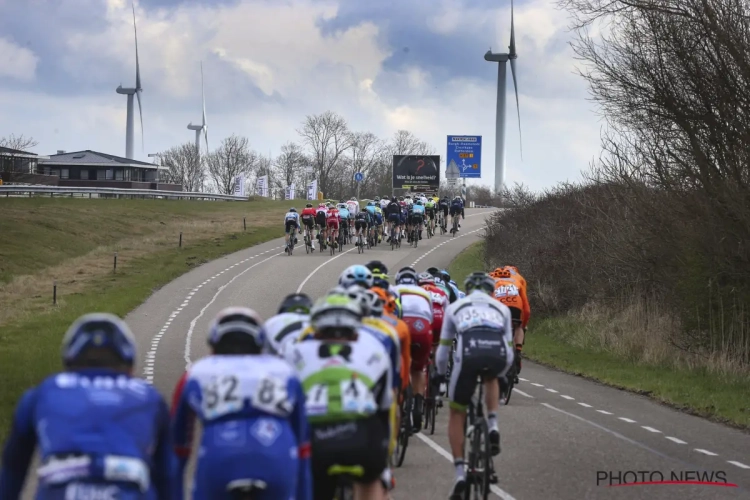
430	209
347	379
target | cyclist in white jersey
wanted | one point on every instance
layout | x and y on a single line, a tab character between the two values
290	321
347	381
484	332
416	309
252	409
353	206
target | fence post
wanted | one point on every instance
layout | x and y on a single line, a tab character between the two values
54	292
244	224
180	239
115	263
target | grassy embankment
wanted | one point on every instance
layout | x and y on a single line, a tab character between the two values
73	241
573	343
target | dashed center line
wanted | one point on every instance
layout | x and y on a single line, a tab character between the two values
738	464
674	439
630	421
705	452
604	412
651	429
585	405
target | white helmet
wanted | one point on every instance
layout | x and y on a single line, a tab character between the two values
356	275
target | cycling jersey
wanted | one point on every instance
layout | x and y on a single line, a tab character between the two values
416	305
333	218
482	328
402	330
417	210
308	215
348	402
447	289
370	209
253	425
439	303
378	216
292	216
388	337
352	206
343	211
100	433
283	329
512	292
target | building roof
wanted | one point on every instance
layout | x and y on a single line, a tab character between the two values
16	152
95	159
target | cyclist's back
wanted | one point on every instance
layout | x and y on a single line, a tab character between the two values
283	329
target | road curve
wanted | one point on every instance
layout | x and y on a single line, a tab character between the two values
559	432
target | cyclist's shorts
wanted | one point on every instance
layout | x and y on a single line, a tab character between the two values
489	356
417	218
378	219
333	223
288	225
395	218
455	211
515	315
308	221
421	341
320	219
431	213
362	443
360	224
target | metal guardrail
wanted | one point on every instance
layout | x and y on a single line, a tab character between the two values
74	190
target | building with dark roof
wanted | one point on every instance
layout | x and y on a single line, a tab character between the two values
94	169
18	166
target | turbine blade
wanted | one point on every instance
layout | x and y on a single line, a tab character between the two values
518	109
203	96
137	64
205	135
140	112
512	45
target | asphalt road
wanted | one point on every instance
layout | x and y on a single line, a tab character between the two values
559	433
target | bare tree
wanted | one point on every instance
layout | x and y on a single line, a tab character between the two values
327	137
365	156
289	167
14	159
232	159
406	143
185	166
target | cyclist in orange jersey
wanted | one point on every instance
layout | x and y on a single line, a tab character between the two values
510	289
389	315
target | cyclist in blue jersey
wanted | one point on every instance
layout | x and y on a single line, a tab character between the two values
456	209
346	217
418	216
291	221
457	290
101	432
252	409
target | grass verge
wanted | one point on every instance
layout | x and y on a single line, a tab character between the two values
571	343
145	234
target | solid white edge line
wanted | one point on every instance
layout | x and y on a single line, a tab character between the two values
299	288
445	454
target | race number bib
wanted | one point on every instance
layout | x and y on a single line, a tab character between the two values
271	396
506	291
475	317
356	397
222	395
317	400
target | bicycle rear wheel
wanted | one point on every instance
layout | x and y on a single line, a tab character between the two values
404	430
478	473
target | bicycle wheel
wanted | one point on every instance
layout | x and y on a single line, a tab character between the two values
478	475
307	242
330	245
404	430
511	376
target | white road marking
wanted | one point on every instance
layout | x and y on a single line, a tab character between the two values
523	379
567	397
678	441
739	464
551	390
189	336
705	452
536	385
651	429
299	288
445	454
627	420
604	412
523	393
585	405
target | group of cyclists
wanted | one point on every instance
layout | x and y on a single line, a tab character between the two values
288	406
391	218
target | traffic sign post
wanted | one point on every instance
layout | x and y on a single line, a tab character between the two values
465	153
359	177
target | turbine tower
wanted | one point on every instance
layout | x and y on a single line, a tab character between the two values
130	92
501	59
203	127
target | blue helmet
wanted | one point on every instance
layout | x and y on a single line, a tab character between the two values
99	330
237	320
356	275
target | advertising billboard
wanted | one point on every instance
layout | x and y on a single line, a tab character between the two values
410	171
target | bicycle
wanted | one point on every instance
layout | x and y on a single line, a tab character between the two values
308	240
479	466
430	398
414	236
330	244
394	236
454	229
429	229
290	246
506	386
404	429
360	244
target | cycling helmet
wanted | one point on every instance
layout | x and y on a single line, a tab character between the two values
353	198
479	281
375	303
381	281
99	330
418	202
357	294
445	276
377	267
237	320
336	316
406	276
356	275
342	201
377	199
502	272
296	303
309	205
425	279
292	209
370	203
433	271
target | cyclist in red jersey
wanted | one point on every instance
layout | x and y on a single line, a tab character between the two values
332	221
440	302
308	219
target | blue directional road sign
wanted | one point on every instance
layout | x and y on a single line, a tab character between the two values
359	176
465	152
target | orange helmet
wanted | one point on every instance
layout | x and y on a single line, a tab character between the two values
502	272
512	269
390	302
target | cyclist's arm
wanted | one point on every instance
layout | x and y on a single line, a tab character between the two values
19	448
164	460
526	311
301	430
183	423
447	334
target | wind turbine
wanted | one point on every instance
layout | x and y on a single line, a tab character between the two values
130	92
501	59
203	127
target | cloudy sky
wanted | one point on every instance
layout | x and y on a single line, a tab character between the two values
382	64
